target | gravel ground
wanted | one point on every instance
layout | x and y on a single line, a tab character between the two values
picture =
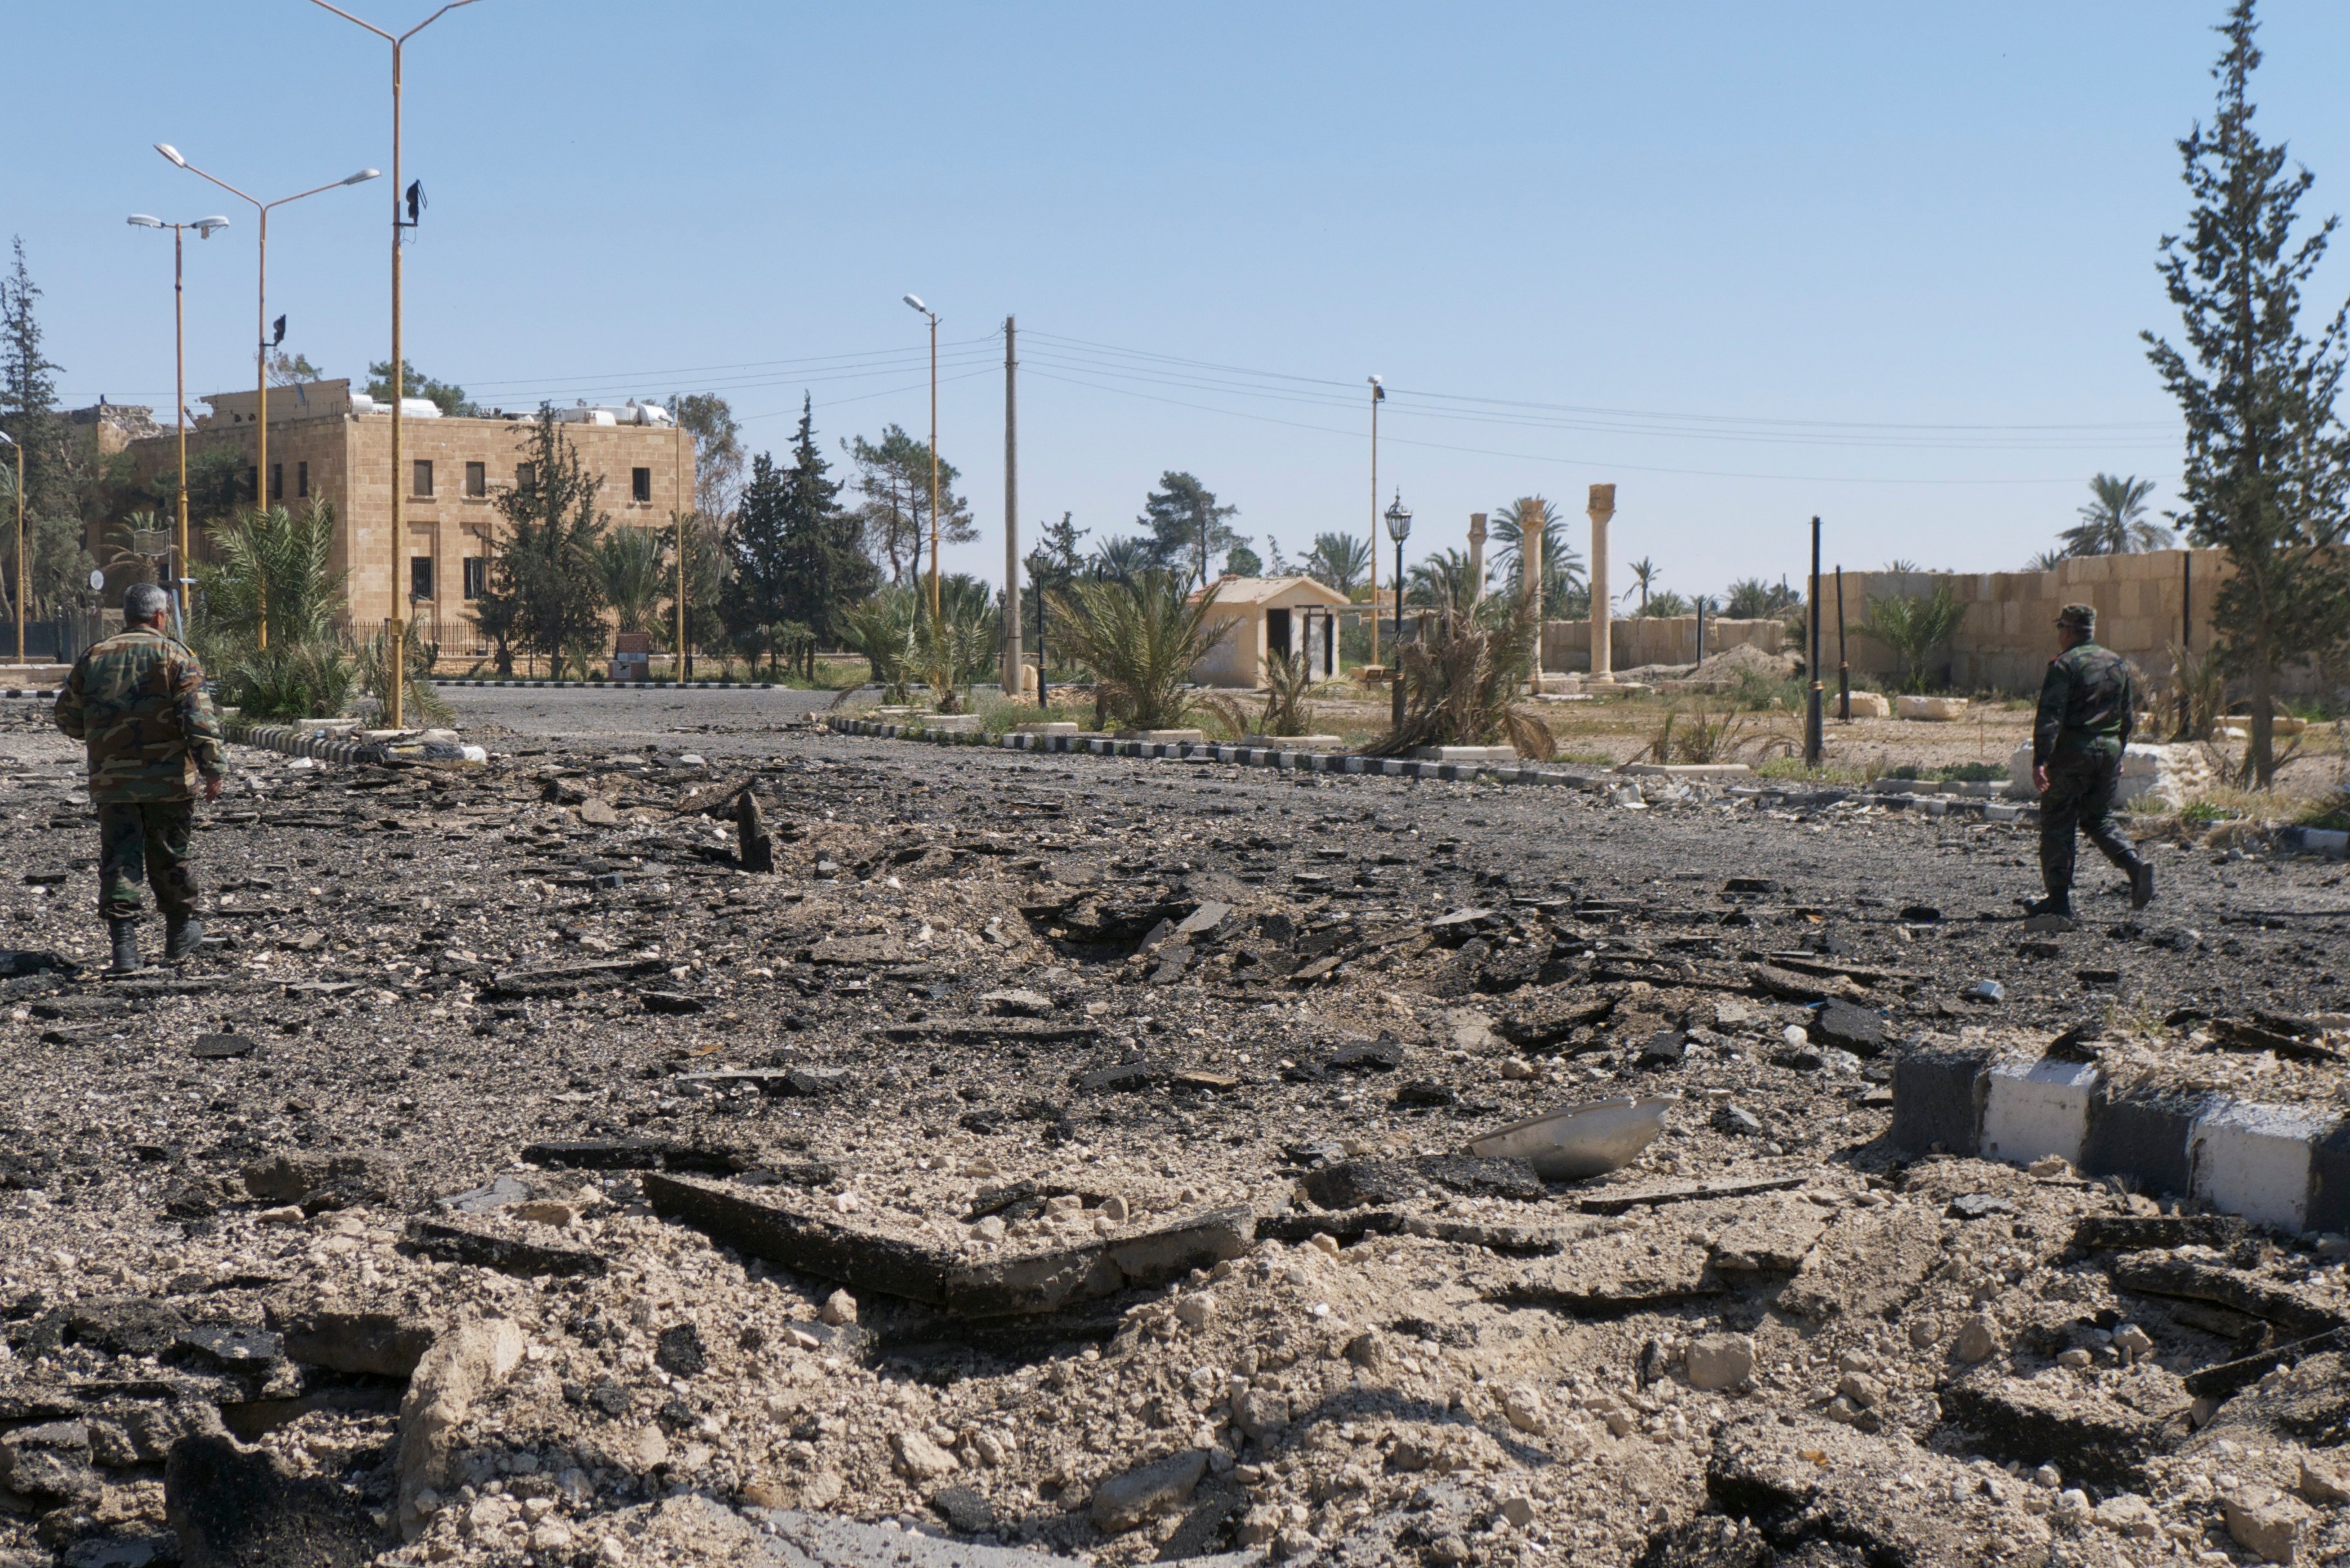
1063	1153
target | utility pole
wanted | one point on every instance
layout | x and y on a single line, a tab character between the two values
1013	682
1814	738
684	665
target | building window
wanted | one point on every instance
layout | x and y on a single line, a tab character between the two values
420	576
252	481
276	481
477	479
301	479
477	575
423	489
525	475
640	484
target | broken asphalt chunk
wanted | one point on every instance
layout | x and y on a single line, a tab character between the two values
1360	1183
455	1243
2143	1232
965	1285
2168	1274
630	1153
2090	1433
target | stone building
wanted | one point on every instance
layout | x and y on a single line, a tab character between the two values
1255	618
329	444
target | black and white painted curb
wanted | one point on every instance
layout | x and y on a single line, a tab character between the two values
624	685
1209	751
48	696
2287	1166
297	742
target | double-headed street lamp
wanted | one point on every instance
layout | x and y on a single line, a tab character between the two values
204	227
1399	519
261	340
916	304
396	632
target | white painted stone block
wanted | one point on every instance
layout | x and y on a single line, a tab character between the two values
1870	705
2037	1109
1932	708
2253	1160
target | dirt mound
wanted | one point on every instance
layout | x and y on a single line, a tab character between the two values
1733	665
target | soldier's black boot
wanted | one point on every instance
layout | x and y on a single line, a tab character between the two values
125	947
2141	885
181	935
2060	908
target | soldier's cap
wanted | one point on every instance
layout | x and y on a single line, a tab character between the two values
2078	617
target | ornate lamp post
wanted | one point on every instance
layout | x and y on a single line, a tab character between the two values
1398	520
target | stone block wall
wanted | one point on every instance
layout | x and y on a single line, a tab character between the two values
1654	639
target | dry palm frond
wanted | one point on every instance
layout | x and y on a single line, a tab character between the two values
1459	687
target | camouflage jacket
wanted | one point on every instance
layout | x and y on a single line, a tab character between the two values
138	701
2087	704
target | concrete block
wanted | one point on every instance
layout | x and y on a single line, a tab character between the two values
2329	1182
1689	770
2143	1139
1465	754
1938	1098
1940	710
2255	1160
1870	705
2036	1108
1160	737
1051	727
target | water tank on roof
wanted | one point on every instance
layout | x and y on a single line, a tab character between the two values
363	404
419	409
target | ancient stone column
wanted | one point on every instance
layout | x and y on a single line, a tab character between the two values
1476	559
1529	571
1602	508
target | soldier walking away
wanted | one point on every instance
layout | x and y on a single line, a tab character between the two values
2087	705
137	700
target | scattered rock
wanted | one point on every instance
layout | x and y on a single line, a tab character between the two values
1124	1501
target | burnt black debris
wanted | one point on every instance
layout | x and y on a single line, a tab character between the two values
1070	1155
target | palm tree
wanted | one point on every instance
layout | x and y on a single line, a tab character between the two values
1441	582
1666	603
1140	639
1913	629
1562	567
1122	558
1339	560
1900	563
630	561
2046	561
2114	523
1751	598
1644	577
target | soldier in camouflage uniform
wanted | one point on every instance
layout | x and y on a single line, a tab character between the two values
138	701
2087	705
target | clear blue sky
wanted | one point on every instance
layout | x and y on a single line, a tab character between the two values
1764	234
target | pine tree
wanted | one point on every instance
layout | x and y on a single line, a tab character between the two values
2264	478
28	391
546	589
1186	525
798	558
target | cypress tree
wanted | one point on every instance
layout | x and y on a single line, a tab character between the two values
2264	477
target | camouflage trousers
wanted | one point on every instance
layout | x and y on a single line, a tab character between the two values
2079	800
145	841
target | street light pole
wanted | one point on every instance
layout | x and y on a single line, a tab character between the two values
1399	529
261	349
1379	396
204	227
396	646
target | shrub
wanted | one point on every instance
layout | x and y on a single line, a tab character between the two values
1460	690
1140	639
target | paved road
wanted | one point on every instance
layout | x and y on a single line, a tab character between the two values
723	722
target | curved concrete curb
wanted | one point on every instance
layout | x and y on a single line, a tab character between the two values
2287	1166
294	741
1205	751
625	685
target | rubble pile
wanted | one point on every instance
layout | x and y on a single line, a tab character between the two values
1070	1157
